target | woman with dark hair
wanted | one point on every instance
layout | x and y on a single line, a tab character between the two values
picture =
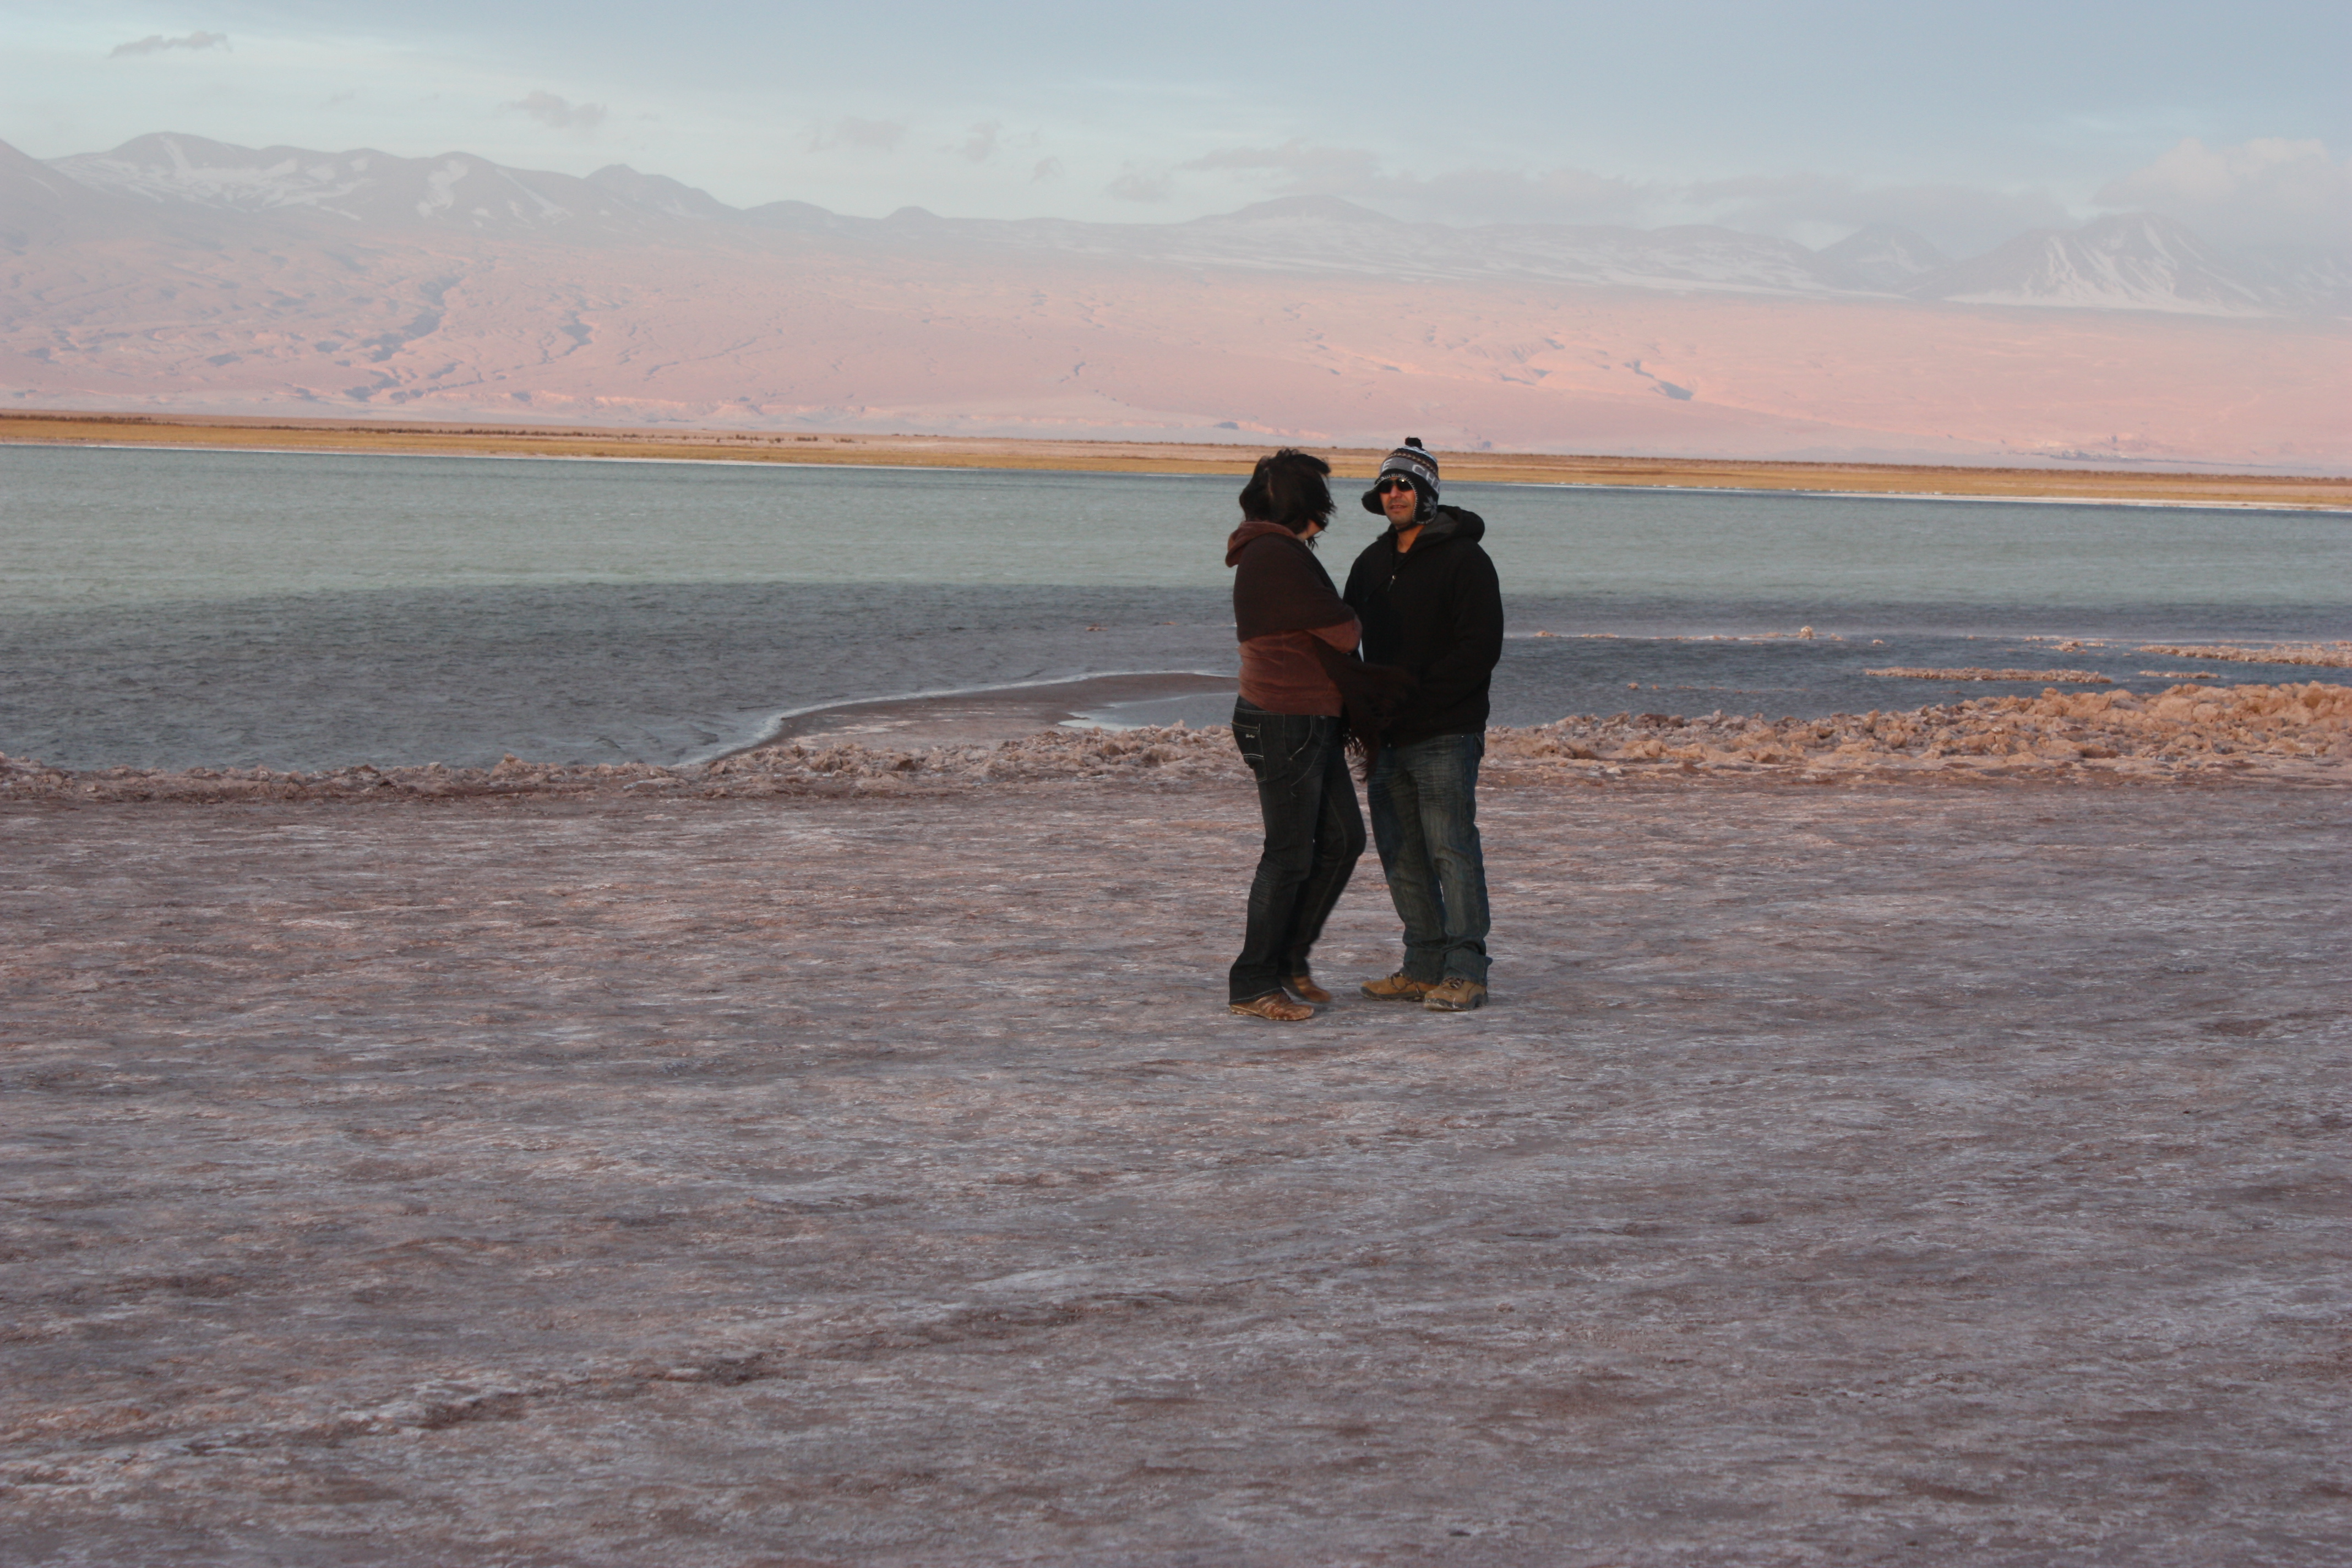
1296	635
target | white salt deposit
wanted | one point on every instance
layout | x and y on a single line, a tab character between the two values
2283	732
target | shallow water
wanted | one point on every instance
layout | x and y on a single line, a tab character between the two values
178	608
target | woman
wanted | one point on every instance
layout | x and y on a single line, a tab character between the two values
1296	634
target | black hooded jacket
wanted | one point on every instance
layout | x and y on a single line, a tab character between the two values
1435	612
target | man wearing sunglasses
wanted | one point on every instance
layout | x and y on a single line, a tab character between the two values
1430	604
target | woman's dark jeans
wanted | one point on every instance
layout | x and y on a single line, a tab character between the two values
1314	832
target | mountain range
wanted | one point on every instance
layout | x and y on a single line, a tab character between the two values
176	272
2135	261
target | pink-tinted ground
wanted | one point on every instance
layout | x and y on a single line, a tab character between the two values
809	334
1891	1171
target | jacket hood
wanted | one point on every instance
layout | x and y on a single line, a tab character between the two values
1450	522
1250	533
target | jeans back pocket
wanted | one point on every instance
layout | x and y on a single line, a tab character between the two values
1249	738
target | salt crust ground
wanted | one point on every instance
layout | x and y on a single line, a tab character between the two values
2287	732
1920	1170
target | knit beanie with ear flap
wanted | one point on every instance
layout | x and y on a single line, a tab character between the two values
1410	462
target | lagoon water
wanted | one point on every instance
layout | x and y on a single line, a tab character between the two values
175	608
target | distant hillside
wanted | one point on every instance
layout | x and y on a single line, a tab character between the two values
2135	262
178	273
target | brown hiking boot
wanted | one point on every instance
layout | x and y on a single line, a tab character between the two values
1455	993
1303	986
1272	1005
1396	987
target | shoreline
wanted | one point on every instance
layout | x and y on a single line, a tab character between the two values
924	720
477	439
2296	734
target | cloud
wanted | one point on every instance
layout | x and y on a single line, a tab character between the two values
980	145
1816	209
559	114
1046	169
1472	195
2268	191
156	43
1135	185
1331	171
872	135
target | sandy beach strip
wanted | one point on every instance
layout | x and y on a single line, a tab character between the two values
2081	483
1942	1170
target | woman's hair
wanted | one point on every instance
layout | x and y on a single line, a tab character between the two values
1287	487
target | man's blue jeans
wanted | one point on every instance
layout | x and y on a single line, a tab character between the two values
1314	833
1426	821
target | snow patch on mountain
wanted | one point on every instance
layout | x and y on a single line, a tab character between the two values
376	189
2137	261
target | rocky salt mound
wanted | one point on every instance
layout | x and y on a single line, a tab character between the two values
2291	730
2293	733
2329	655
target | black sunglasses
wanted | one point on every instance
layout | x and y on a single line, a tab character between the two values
1385	486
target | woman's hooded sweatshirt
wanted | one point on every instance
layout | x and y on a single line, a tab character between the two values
1284	606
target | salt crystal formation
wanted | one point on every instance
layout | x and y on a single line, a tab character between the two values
2287	732
1976	672
2327	655
2276	730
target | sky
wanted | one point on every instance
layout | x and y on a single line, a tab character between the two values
1806	118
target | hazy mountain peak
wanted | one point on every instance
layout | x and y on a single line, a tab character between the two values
659	192
364	187
790	215
2131	261
1881	257
39	203
22	173
1293	209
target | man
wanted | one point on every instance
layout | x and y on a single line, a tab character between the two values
1430	604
